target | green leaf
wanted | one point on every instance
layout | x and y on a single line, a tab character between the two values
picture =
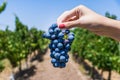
3	6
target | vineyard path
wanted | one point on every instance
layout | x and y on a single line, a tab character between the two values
45	71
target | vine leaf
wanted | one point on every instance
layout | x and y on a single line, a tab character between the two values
3	6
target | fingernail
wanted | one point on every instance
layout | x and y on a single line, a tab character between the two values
61	26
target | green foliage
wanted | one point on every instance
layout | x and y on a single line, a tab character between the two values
18	44
3	6
107	14
1	66
102	51
2	54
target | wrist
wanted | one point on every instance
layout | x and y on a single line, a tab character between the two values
111	28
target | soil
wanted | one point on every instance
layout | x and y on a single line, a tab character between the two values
41	69
45	71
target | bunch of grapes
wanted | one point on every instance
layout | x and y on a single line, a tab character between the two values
61	41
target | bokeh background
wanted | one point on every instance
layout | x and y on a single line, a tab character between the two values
43	13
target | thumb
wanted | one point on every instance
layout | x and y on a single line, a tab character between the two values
69	24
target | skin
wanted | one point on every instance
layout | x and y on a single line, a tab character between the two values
83	17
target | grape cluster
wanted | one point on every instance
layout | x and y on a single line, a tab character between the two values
61	41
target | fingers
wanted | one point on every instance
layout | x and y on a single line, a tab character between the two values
68	16
60	19
71	18
69	24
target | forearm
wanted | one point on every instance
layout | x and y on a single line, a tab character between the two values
84	17
111	28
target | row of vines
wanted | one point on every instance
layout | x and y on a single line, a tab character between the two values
102	52
18	44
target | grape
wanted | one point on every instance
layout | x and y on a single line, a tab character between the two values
66	41
63	31
55	41
66	60
71	38
62	53
51	31
60	40
57	64
53	60
46	35
53	26
50	46
53	46
62	59
71	33
62	65
57	50
67	57
67	31
60	35
57	55
57	30
53	36
52	54
59	46
67	46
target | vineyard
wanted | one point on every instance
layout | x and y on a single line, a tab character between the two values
102	52
18	44
21	44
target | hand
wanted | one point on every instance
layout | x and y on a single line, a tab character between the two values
84	17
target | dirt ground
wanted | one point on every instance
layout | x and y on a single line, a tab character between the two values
42	69
45	71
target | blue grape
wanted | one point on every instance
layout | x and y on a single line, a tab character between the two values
66	50
53	46
57	50
66	42
67	46
67	56
46	35
53	60
60	35
55	41
66	60
67	31
51	31
62	65
62	52
50	46
63	31
71	33
71	38
52	54
62	58
53	26
57	30
53	36
59	46
57	55
60	40
57	64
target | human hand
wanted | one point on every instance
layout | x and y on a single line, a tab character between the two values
82	16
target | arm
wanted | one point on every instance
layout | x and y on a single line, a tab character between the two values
84	17
111	28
